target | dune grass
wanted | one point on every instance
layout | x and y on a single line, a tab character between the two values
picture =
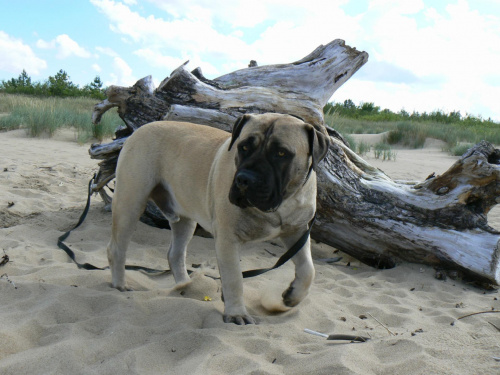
384	151
460	149
361	148
44	116
414	133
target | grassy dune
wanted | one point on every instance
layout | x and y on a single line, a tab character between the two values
44	116
458	136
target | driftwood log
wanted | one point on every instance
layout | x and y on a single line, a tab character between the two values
441	221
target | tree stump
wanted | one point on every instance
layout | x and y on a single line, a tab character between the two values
441	221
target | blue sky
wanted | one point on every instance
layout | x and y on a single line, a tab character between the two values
424	54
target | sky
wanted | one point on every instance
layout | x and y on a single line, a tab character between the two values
424	55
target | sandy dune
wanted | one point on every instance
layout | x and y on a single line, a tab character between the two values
62	320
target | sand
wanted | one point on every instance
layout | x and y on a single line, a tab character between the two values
57	319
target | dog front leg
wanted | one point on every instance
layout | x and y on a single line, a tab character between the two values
232	282
304	272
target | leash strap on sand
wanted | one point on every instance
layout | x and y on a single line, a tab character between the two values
63	246
246	274
285	257
88	266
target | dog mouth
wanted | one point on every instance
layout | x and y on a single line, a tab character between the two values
244	198
246	203
264	208
252	188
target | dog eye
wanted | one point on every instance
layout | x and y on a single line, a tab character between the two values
281	153
245	149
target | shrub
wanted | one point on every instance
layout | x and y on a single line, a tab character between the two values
460	149
10	122
384	151
351	141
363	148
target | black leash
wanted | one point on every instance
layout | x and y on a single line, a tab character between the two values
63	246
251	273
285	257
88	266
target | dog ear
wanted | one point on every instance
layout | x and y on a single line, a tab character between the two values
318	144
238	125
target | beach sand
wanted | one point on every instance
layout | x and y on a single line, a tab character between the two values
57	319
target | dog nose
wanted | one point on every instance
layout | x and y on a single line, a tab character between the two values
244	179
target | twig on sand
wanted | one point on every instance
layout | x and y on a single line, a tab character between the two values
8	280
338	337
269	252
330	260
498	329
480	312
378	321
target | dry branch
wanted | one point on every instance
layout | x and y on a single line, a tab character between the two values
361	211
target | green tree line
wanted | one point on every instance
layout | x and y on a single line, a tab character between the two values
58	85
371	112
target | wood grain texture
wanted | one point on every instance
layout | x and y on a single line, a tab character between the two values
441	221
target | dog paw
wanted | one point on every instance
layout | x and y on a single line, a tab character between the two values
288	298
183	284
123	288
239	319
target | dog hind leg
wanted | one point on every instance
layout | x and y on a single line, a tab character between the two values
182	232
117	249
163	199
124	224
129	202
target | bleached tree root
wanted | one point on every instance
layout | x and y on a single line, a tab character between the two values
441	221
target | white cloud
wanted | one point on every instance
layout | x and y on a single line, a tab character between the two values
17	56
451	51
65	46
190	34
240	13
382	71
42	44
97	68
156	59
122	73
455	44
107	51
420	53
68	47
397	7
291	39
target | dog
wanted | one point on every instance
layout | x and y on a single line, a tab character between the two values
256	184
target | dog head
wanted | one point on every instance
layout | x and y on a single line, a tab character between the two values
275	156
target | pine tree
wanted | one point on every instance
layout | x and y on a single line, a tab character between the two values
24	80
94	89
60	85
